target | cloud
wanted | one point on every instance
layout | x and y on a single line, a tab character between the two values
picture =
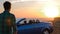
15	1
27	4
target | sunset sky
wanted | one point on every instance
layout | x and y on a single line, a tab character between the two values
33	8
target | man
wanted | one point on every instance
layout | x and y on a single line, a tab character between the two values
7	20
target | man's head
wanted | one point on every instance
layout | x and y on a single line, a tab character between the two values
7	5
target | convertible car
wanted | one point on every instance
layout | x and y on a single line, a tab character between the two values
33	27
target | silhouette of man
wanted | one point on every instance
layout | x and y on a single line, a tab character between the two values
7	20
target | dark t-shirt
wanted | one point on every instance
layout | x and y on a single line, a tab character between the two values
6	27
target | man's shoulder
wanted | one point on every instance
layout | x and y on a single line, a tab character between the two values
1	14
12	15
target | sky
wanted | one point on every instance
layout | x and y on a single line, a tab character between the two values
33	8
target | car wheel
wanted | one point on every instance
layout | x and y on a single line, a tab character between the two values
46	32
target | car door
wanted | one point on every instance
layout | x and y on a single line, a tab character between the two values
29	29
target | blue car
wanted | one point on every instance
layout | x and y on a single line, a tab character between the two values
34	28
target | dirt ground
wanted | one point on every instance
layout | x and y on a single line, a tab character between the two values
56	30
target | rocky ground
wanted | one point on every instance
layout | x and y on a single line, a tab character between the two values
56	30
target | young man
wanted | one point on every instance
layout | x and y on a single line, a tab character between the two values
7	20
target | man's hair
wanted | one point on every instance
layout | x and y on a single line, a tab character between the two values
7	5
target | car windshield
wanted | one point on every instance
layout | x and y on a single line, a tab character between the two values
28	21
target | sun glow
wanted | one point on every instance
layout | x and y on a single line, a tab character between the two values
51	10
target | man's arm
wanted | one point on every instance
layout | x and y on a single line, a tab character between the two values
14	25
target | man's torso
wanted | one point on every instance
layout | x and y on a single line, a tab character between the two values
4	25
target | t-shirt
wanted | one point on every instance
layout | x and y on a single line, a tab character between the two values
5	25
